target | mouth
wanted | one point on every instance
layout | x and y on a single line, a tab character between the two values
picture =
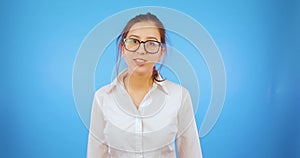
139	61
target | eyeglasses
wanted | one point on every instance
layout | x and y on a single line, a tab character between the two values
151	46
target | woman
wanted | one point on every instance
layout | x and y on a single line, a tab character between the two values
140	114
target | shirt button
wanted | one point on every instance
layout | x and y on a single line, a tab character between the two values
138	124
140	155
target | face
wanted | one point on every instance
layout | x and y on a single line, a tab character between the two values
139	61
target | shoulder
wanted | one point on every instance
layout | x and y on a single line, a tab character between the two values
103	90
175	88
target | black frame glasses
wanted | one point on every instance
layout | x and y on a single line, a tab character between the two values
150	46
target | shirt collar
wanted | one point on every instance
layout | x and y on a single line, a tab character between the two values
119	81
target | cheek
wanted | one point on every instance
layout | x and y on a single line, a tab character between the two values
127	57
155	58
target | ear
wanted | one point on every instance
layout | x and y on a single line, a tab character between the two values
122	48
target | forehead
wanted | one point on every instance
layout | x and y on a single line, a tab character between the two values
144	30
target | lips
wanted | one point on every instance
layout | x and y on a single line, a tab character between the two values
139	61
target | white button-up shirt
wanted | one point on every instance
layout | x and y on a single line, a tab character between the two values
118	129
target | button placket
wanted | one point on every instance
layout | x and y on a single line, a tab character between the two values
139	139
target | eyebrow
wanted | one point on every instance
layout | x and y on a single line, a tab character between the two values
149	37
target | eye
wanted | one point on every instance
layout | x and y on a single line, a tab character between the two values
152	43
132	41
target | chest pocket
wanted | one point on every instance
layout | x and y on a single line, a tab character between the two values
118	138
161	137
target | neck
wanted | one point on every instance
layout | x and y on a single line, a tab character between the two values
138	82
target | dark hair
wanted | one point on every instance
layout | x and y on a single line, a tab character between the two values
141	18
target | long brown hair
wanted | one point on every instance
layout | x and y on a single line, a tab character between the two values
123	34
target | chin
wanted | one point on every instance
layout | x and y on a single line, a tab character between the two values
142	70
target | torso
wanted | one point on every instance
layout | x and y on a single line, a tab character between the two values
157	121
137	96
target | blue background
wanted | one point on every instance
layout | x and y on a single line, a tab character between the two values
258	40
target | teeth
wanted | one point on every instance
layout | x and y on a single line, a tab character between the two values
140	60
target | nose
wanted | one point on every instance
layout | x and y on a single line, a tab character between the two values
141	49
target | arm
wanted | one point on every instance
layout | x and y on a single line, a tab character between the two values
188	144
96	146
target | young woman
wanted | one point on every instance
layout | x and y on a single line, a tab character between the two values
141	115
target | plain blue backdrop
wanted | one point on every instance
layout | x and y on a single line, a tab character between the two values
258	40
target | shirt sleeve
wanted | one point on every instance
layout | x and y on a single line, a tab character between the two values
187	142
96	146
